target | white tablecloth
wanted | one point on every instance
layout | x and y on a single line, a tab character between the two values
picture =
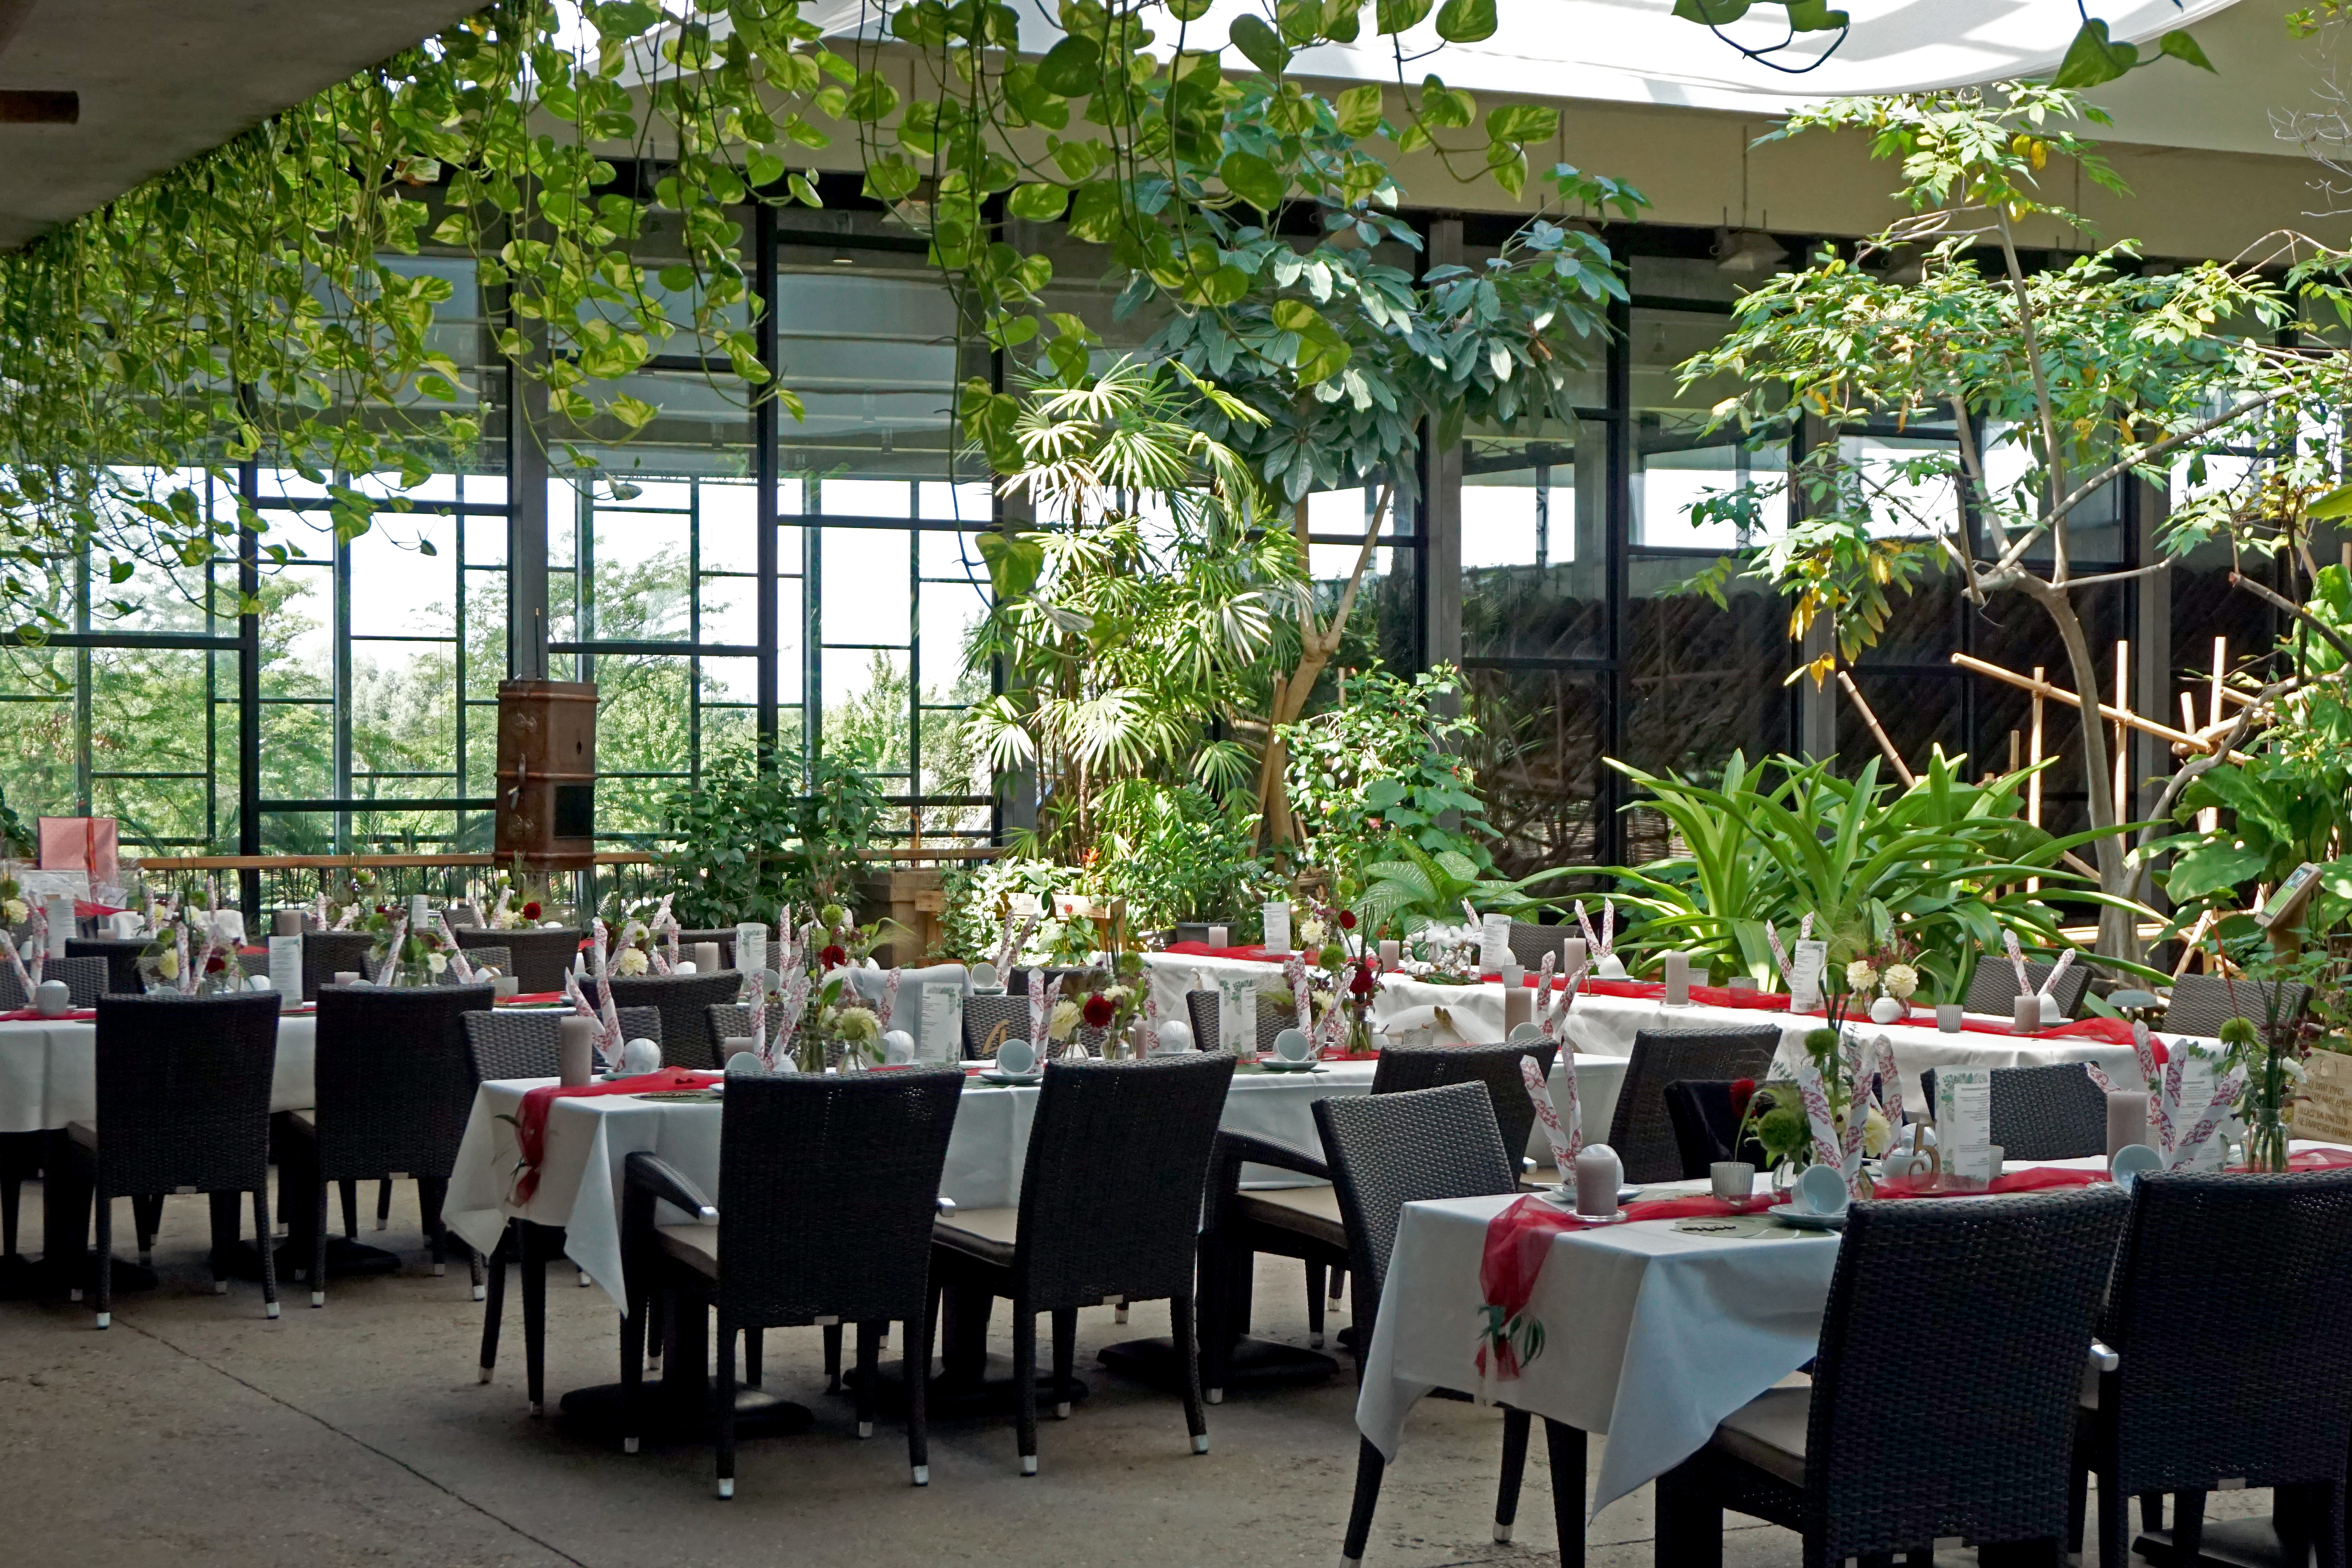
985	1153
48	1071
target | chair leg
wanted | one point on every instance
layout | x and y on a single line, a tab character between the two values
430	1192
755	1344
1338	1283
1369	1464
1689	1524
1065	1360
350	1210
12	1192
2078	1487
2151	1511
869	1363
2328	1523
1315	1272
2187	1526
225	1235
534	1319
632	1355
1515	1464
918	1379
474	1268
319	1244
723	1405
1566	1447
494	1301
383	1203
1188	1351
268	1252
147	1218
833	1358
105	1207
658	1316
1024	1384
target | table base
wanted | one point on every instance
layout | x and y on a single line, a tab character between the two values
1250	1364
985	1391
346	1259
31	1280
2228	1544
683	1417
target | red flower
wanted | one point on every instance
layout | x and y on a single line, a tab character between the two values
833	956
530	910
217	962
1743	1089
1361	982
1347	920
1098	1011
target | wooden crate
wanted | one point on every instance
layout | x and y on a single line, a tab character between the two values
2324	1109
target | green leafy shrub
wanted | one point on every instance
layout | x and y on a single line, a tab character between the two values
743	841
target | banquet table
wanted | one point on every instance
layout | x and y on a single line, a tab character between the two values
588	1139
48	1071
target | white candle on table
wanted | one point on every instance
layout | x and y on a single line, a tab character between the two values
1599	1173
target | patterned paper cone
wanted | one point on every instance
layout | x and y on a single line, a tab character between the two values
2170	1101
2016	959
1004	956
40	943
1039	1008
2225	1094
1293	974
1567	1139
1779	953
391	964
16	962
498	914
1890	1084
1608	926
889	999
180	952
458	965
1585	923
2099	1079
2049	981
1819	1119
1805	929
757	989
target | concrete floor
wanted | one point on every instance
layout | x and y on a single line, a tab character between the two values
196	1432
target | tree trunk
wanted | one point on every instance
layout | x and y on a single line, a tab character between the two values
2118	932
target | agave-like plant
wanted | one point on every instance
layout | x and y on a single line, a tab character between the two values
1943	864
1414	889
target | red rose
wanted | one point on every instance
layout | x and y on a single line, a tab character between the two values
1347	920
530	910
1098	1011
833	956
1362	984
1743	1089
217	962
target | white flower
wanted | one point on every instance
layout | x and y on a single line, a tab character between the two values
1117	995
631	961
1902	980
1860	976
1877	1137
15	911
1066	1016
1310	933
168	966
858	1024
2293	1069
436	963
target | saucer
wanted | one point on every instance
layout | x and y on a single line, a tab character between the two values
991	1075
1276	1064
1806	1220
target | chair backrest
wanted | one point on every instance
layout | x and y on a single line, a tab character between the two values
723	936
685	1001
829	1185
1531	942
1993	988
464	917
121	956
541	954
732	1021
327	954
1389	1150
1403	1069
1110	1191
1017	983
2231	1381
498	958
1705	1125
1641	1131
1987	1306
2201	1003
183	1092
1207	1020
502	1045
2052	1112
392	1078
990	1021
86	980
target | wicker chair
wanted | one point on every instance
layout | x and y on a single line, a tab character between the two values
1993	988
183	1107
121	956
327	954
1203	1006
990	1021
732	1021
2201	1003
1017	983
1642	1132
1110	1207
498	958
2052	1112
86	979
2209	1386
1531	942
685	1001
1705	1125
501	1046
1986	1418
393	1088
832	1184
1389	1150
541	953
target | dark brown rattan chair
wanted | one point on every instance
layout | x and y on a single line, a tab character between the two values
1705	1125
2201	1003
1989	1305
732	1021
327	954
2052	1112
86	979
183	1107
498	958
685	1001
501	1046
1641	1131
1110	1211
990	1021
1531	942
541	955
121	956
2213	1385
1993	987
394	1085
1403	1068
831	1185
1389	1150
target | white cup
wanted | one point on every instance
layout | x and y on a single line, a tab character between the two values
1734	1180
898	1047
1949	1017
1820	1190
1018	1057
683	966
639	1056
1292	1046
347	977
503	987
52	999
984	979
744	1063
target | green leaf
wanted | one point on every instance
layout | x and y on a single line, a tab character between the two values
1260	43
1095	212
1037	202
1815	16
1253	179
1342	20
1465	21
1522	122
1225	286
1358	110
1381	794
2212	868
1446	107
1189	10
1014	562
872	98
2091	59
2182	46
1711	13
1397	16
1072	67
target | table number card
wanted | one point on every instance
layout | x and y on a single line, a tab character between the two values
1237	1013
1494	942
1963	1112
942	1036
1805	978
285	970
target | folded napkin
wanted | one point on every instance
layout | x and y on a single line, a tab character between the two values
531	1117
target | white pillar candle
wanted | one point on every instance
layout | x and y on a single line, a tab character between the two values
420	911
286	922
706	957
1677	979
1599	1173
1518	1002
2025	1014
1220	938
1392	952
2127	1120
575	1050
1574	952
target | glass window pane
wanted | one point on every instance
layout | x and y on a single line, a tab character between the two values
1538	756
951	612
398	589
866	582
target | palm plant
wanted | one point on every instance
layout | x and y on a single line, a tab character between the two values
1945	864
1414	888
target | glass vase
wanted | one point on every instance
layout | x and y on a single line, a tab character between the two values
2266	1141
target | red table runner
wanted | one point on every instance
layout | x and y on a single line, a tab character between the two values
531	1117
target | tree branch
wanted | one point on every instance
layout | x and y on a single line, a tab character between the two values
2123	576
2278	601
2082	491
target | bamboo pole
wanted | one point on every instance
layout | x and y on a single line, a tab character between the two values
1845	678
2034	758
2209	821
2016	750
2040	687
2122	702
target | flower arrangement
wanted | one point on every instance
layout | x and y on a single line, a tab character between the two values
1830	1114
184	953
14	910
1887	979
505	915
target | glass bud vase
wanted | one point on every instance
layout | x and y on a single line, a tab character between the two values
2266	1141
